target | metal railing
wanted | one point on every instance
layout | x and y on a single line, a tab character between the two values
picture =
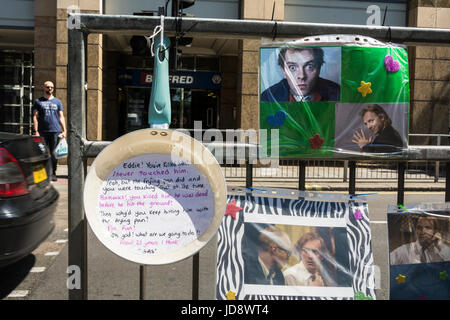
439	142
333	170
327	169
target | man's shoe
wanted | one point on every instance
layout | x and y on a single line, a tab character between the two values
54	178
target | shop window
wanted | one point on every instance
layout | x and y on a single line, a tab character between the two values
186	63
207	64
16	91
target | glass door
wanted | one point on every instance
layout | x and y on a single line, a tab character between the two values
205	108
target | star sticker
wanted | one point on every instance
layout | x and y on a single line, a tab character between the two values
232	209
365	89
231	295
400	278
361	296
357	214
443	275
316	141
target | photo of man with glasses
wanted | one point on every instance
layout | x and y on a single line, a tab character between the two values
273	249
309	271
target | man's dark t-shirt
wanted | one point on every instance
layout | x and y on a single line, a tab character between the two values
48	116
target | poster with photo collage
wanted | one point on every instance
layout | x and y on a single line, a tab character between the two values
327	99
288	245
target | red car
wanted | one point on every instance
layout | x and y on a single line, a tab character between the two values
27	197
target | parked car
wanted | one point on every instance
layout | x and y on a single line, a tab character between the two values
27	197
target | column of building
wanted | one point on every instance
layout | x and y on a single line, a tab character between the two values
228	94
94	62
430	73
248	92
44	44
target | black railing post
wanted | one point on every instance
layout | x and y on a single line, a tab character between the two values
195	276
352	177
76	161
302	175
401	183
447	182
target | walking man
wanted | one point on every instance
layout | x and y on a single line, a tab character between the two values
49	122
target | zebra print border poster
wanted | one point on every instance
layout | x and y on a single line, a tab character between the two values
286	244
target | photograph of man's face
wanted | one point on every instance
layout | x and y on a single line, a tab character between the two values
373	122
425	231
301	70
311	254
300	74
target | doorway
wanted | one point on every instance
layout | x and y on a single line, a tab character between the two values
205	106
16	91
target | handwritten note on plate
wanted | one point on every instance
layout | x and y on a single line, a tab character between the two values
155	203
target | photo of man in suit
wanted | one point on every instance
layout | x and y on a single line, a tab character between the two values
272	250
428	245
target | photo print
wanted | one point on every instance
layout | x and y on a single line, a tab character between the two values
419	255
372	128
294	74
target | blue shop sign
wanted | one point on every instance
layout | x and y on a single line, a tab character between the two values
177	79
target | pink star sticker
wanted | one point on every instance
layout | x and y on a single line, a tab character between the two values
316	141
357	214
232	209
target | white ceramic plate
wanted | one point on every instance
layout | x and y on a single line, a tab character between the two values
155	196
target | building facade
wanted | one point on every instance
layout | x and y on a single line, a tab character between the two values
214	81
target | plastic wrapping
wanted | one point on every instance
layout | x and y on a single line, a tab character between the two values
334	95
419	251
286	244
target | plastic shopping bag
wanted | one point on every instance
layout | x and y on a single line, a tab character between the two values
61	150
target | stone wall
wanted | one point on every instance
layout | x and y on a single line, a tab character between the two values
94	63
430	73
248	85
45	46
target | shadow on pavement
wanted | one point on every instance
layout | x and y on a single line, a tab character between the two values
12	275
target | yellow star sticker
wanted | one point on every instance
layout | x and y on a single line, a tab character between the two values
365	89
400	278
231	295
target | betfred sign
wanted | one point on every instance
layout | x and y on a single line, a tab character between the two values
147	78
179	79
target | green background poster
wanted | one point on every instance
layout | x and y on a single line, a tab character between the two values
302	122
307	129
367	64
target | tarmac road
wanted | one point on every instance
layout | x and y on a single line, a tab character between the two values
43	274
